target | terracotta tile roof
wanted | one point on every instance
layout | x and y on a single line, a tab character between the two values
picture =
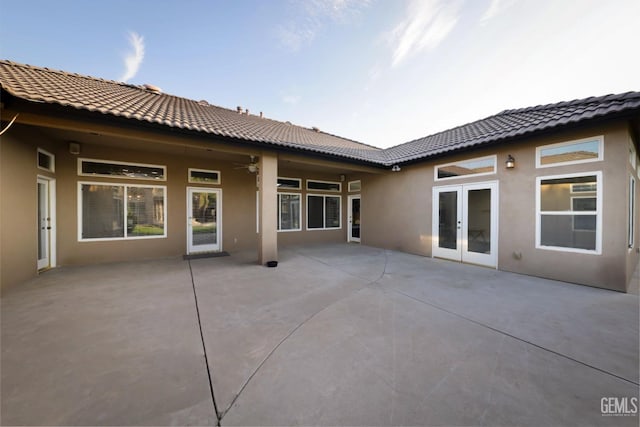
510	124
135	102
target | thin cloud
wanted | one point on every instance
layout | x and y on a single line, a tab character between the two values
133	59
309	17
426	25
291	99
495	8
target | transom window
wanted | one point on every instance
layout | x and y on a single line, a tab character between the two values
46	160
565	221
289	212
354	186
91	167
569	153
204	176
289	183
115	211
323	212
471	167
324	185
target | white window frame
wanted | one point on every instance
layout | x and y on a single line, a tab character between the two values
280	213
114	162
632	212
598	213
52	159
125	237
599	138
339	190
299	180
191	181
324	216
493	157
353	182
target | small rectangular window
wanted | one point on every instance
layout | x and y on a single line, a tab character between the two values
203	176
324	185
471	167
90	167
569	153
289	212
566	222
323	212
289	183
354	186
46	160
114	211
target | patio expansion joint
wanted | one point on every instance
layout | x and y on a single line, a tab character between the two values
204	348
507	334
294	330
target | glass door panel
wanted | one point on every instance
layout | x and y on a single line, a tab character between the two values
479	221
44	224
446	222
354	218
203	220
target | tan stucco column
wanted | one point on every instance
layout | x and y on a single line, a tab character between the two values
268	187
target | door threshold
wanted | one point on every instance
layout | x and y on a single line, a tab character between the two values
200	255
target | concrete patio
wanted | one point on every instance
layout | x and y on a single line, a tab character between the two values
335	335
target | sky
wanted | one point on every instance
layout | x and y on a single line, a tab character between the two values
382	72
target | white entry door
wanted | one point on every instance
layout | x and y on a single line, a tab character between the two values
354	219
465	223
204	215
46	237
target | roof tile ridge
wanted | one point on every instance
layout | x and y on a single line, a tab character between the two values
581	101
66	73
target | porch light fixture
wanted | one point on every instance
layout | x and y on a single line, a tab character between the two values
395	168
511	162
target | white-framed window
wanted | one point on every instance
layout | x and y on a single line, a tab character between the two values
632	212
570	152
109	211
464	168
354	186
333	186
289	212
323	212
126	170
46	160
565	222
204	176
289	183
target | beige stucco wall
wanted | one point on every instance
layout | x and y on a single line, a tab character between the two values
18	206
633	253
397	209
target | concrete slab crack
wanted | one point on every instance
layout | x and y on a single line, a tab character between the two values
204	348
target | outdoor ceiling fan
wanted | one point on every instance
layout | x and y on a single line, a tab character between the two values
251	167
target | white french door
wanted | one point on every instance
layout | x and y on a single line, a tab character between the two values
46	223
354	219
204	217
465	223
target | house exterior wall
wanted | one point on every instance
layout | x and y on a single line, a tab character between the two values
18	208
633	253
397	209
